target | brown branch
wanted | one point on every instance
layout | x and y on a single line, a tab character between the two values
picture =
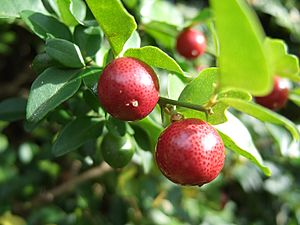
68	186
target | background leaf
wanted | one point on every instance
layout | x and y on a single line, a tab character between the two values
262	114
116	23
88	39
242	60
238	139
155	57
64	7
65	52
281	63
12	109
11	9
76	133
49	90
42	25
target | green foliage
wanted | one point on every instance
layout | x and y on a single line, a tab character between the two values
242	60
56	137
49	90
282	63
44	25
155	57
65	52
76	133
116	23
12	109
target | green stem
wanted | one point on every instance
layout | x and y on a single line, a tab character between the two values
164	101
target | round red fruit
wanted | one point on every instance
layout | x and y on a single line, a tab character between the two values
128	89
278	97
190	152
191	43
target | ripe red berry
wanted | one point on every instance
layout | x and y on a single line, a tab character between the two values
190	152
128	89
191	43
278	97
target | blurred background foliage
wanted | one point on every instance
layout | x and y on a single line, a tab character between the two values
32	180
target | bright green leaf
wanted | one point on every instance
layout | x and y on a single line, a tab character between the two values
262	114
12	8
65	52
64	7
76	133
281	63
155	57
43	25
49	90
12	109
238	139
242	59
116	23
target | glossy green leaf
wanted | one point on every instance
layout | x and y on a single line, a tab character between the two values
242	59
116	23
12	109
65	52
281	63
88	39
65	12
43	25
49	90
237	138
155	57
76	133
262	114
11	9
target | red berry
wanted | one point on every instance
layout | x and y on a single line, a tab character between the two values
278	97
190	152
128	89
191	43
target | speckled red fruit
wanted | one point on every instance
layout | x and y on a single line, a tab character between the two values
278	97
191	43
128	89
190	152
